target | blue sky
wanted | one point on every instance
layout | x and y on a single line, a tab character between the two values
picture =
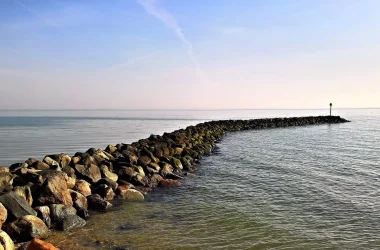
171	54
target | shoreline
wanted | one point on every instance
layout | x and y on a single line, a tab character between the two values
58	191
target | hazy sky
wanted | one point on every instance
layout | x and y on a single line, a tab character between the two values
189	54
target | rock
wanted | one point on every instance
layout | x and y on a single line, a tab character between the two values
4	170
108	174
177	163
96	202
27	228
58	212
54	190
166	182
83	213
130	194
16	166
105	192
144	160
108	182
75	160
83	187
80	201
70	222
3	215
43	212
90	173
6	242
65	160
24	192
6	179
155	179
52	163
16	206
111	149
39	165
37	244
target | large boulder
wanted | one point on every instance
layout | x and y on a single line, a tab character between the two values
79	200
96	202
58	212
70	222
83	187
43	212
24	192
16	206
54	190
6	242
37	244
27	228
3	215
90	173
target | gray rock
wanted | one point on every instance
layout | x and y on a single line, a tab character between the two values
70	222
58	212
17	206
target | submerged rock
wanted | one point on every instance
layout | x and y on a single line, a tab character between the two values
37	244
70	222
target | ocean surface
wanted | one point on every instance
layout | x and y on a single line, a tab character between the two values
313	187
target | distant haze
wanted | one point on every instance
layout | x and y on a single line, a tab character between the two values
189	54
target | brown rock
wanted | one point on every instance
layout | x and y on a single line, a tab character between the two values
83	187
54	190
27	228
3	215
166	183
80	201
6	242
90	173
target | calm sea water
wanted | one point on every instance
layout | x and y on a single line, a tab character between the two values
314	187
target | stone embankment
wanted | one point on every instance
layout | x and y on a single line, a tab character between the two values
57	192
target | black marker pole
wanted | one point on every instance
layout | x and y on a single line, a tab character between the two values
330	108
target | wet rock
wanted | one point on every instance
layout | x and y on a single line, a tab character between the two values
83	213
24	192
108	174
43	212
105	192
16	206
155	179
96	202
111	149
37	244
90	173
58	212
83	187
127	227
6	242
27	228
167	182
3	215
130	194
80	201
54	190
70	222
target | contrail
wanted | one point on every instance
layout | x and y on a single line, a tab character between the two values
33	12
169	20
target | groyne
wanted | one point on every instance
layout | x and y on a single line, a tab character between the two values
57	192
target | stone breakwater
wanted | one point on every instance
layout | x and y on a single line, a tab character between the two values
57	192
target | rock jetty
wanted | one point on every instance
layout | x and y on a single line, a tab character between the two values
57	192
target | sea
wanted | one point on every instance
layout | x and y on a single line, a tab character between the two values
311	187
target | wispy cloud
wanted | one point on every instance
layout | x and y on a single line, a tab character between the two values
169	20
42	18
232	31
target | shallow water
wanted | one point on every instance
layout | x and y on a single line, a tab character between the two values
314	187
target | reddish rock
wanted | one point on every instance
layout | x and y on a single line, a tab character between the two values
166	182
54	190
37	244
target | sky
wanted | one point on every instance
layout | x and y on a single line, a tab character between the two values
189	54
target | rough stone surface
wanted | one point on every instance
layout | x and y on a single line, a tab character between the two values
6	242
43	212
27	228
96	202
70	222
90	173
54	190
80	201
3	215
24	192
83	187
16	206
37	244
58	212
131	194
